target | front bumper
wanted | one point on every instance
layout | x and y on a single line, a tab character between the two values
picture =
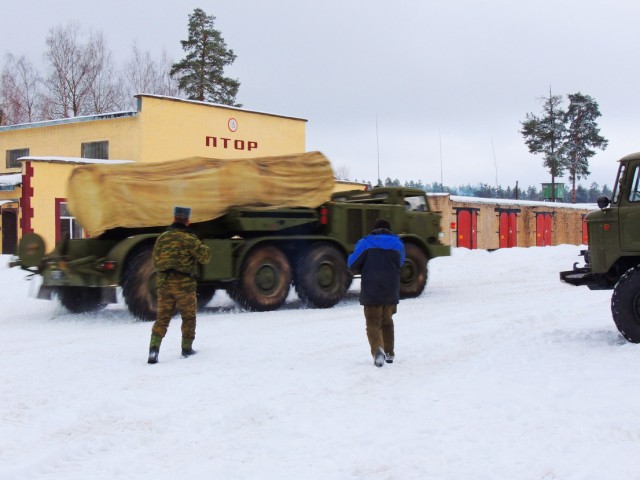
580	276
577	276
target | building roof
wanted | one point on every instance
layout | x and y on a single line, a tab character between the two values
124	114
74	160
218	105
11	179
64	121
531	203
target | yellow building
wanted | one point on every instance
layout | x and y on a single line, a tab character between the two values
161	129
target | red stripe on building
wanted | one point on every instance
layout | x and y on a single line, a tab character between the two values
25	201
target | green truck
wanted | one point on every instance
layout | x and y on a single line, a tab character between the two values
257	254
612	260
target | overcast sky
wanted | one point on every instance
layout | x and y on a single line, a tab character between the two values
446	82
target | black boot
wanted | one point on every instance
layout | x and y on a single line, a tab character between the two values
187	352
187	349
153	355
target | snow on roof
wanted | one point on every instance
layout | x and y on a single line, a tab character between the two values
4	202
78	160
510	201
11	179
438	194
59	121
533	203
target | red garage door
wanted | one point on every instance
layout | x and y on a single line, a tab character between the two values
508	229
467	228
544	222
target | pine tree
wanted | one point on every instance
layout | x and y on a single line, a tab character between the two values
201	72
545	135
583	135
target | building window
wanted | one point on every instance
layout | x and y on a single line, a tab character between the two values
95	150
14	155
67	225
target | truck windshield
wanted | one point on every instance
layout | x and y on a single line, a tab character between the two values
634	191
415	204
619	180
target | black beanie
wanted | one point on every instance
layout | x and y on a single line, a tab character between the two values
382	223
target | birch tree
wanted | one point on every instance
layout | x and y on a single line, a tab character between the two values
20	96
143	74
80	81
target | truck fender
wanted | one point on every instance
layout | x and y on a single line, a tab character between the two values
121	251
431	250
418	242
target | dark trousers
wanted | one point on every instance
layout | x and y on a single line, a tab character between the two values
380	327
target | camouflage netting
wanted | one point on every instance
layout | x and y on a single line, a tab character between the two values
133	195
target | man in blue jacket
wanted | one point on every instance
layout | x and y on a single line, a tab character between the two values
378	258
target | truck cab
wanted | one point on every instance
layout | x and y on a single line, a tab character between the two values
612	258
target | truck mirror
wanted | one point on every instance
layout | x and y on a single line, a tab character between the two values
603	202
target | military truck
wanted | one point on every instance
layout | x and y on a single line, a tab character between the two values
612	260
257	254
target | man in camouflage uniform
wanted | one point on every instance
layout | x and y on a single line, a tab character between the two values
175	256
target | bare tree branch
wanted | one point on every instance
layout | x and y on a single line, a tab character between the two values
144	75
20	97
105	92
81	80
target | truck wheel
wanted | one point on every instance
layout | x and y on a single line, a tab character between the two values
139	285
264	280
81	299
625	304
321	277
413	274
204	294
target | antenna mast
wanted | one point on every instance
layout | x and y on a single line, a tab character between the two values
441	174
378	150
494	161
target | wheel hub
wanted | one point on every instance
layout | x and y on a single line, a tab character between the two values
325	275
267	278
408	272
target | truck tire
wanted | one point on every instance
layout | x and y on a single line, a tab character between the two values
81	299
204	294
413	274
625	304
321	276
265	279
139	285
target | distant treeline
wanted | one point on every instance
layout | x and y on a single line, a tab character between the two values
483	190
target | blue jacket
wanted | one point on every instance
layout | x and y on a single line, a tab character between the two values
378	257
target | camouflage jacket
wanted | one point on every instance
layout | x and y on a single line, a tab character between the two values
178	251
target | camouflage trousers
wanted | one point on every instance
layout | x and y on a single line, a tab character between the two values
380	327
176	294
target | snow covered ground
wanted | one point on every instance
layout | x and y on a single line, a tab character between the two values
502	372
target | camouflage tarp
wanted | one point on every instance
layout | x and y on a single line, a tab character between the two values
132	195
